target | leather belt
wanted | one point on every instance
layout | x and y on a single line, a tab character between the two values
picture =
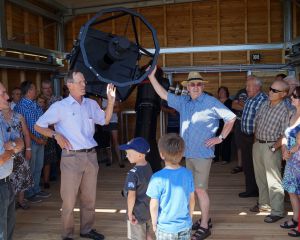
4	180
83	150
265	141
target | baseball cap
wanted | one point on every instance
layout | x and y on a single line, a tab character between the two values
138	144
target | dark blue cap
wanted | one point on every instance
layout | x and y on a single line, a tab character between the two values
138	144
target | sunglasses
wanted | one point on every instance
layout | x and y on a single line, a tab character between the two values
198	84
274	90
295	96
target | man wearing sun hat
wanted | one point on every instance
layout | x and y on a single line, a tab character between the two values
199	121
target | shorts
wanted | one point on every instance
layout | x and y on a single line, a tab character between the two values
200	168
183	235
110	127
139	231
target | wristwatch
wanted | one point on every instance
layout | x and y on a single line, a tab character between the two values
221	137
54	135
273	149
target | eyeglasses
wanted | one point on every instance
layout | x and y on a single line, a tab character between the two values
198	84
295	96
274	90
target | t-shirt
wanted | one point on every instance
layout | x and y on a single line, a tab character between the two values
172	188
137	180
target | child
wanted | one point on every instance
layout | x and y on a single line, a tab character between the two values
139	224
172	192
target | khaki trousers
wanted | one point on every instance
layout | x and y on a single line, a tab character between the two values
267	169
78	174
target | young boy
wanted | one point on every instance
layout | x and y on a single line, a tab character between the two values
172	192
137	180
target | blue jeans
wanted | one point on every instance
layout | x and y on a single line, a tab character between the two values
183	235
7	211
36	166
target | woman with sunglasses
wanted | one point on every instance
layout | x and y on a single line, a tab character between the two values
291	153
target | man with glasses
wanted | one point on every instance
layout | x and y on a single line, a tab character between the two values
199	121
74	120
255	98
270	123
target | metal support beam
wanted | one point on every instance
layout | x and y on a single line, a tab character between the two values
221	48
60	37
17	63
2	24
287	20
35	9
228	68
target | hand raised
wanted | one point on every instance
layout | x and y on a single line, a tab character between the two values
111	92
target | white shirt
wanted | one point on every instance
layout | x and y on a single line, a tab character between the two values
76	122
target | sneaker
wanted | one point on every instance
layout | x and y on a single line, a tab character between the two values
34	199
93	234
43	194
23	205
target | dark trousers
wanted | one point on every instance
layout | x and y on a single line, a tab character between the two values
224	149
247	159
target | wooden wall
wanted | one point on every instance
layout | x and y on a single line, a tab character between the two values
27	28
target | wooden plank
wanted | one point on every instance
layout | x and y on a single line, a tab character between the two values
26	27
192	33
32	33
17	24
41	32
238	57
50	29
9	20
276	15
13	78
270	56
206	58
182	59
269	20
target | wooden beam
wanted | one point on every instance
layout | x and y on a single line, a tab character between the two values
165	33
246	28
41	32
26	28
269	20
192	34
295	34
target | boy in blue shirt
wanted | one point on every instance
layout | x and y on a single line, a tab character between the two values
135	187
172	192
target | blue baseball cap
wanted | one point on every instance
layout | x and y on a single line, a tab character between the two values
138	144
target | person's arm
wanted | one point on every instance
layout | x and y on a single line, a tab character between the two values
156	85
154	212
9	149
237	105
130	204
111	96
7	155
27	139
192	204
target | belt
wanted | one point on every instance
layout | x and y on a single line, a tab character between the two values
83	150
4	180
265	141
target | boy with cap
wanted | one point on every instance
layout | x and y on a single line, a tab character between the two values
137	180
172	192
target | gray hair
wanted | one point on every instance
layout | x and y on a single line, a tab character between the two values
69	77
257	81
291	79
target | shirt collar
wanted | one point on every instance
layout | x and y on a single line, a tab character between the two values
72	100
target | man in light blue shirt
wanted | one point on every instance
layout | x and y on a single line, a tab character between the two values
74	120
199	121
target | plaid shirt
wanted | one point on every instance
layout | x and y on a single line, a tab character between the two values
250	109
271	121
31	112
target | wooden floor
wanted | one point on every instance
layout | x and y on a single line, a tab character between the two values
230	215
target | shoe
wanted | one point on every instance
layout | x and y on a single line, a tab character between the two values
286	224
43	194
201	234
196	225
224	162
294	233
34	199
93	234
68	238
22	205
46	185
258	209
272	218
247	194
237	169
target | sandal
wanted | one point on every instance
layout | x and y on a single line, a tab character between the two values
201	234
286	224
196	225
272	218
294	233
237	169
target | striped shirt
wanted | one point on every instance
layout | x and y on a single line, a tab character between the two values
271	121
31	112
250	109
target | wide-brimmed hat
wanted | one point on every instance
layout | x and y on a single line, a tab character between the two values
195	77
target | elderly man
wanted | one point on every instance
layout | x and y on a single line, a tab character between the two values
255	98
8	149
74	120
199	120
271	121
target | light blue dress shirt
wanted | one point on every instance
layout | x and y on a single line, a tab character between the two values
199	121
76	122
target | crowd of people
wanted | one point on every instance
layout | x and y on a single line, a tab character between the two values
38	131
